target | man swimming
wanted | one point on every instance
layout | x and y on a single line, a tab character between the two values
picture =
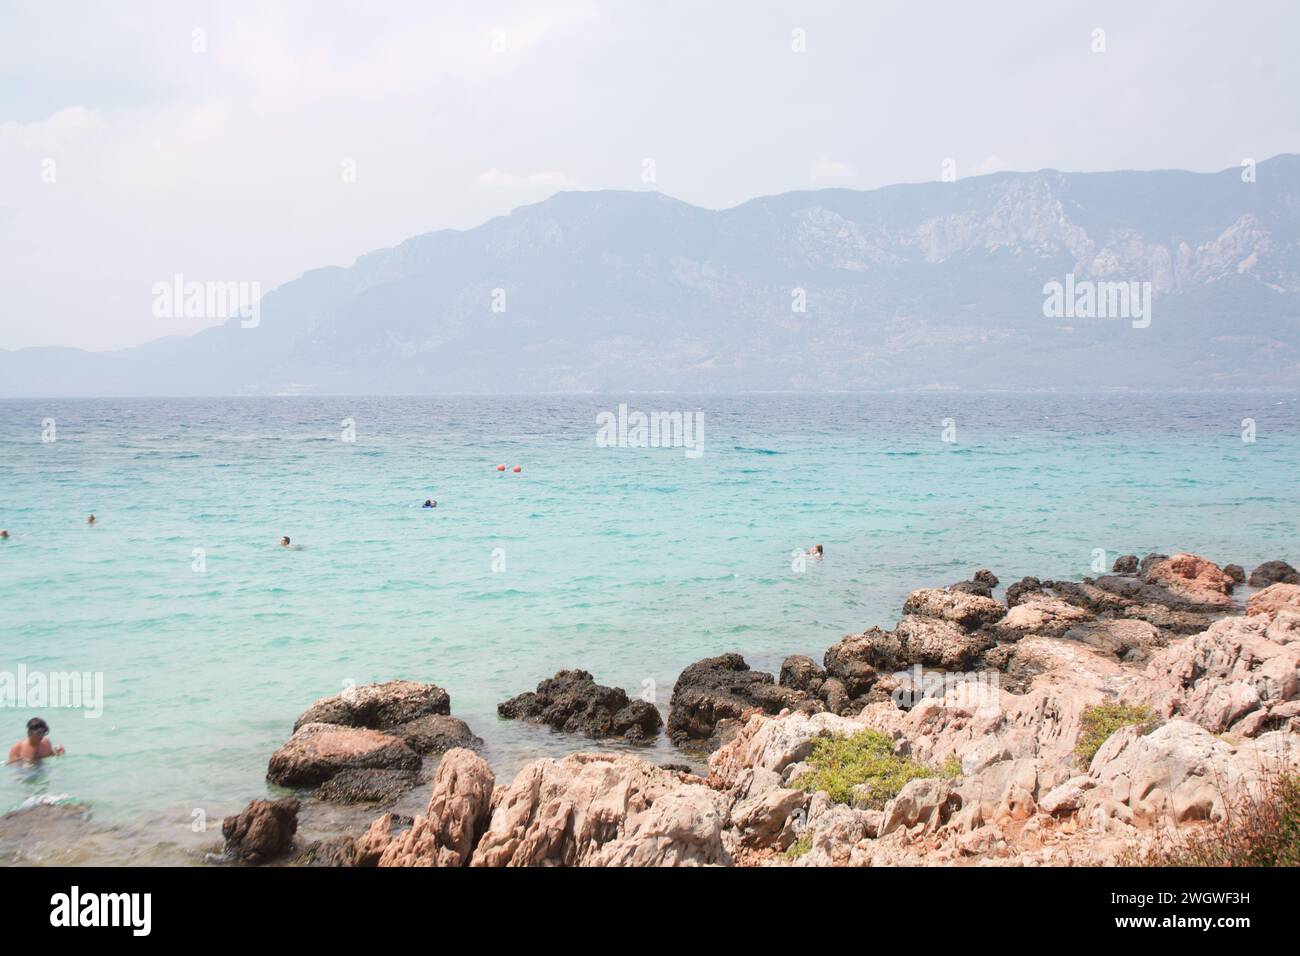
430	503
36	746
3	534
284	542
90	520
815	550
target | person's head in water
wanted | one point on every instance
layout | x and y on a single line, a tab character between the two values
284	542
3	534
90	519
816	549
430	503
36	745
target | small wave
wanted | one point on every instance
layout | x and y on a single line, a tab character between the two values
756	451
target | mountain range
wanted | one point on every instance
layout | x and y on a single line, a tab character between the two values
930	285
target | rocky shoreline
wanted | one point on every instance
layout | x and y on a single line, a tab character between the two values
1067	723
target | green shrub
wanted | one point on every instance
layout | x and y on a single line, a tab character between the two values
799	847
838	764
951	766
1103	720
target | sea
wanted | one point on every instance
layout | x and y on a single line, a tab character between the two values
199	638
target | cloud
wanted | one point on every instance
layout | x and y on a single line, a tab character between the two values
63	129
830	172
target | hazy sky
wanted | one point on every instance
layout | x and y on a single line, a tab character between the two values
221	154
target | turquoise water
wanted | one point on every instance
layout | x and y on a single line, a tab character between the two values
628	562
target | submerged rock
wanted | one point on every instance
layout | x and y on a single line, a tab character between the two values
573	702
262	831
362	785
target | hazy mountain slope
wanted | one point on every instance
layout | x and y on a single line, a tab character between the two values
934	284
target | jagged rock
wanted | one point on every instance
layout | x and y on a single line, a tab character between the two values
1125	564
370	846
761	810
1150	561
930	802
573	702
363	785
457	815
837	833
986	577
316	752
1067	797
438	733
858	660
801	673
1179	771
1223	675
965	610
1236	572
601	810
262	831
723	687
1273	572
1274	600
978	588
378	706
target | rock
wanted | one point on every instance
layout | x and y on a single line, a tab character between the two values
457	815
801	673
1273	572
1236	572
986	577
370	846
1131	641
719	688
761	810
339	851
1150	561
858	660
968	611
361	785
1022	588
316	752
1274	600
928	801
971	587
573	702
935	642
1039	614
602	810
1222	675
837	832
262	831
378	706
1193	578
1067	797
1125	564
438	733
1179	771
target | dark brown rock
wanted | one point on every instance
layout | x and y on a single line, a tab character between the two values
438	733
262	831
1273	572
1236	572
1125	564
362	785
573	702
717	688
801	673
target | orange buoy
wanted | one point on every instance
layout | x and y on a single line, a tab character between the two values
501	467
517	469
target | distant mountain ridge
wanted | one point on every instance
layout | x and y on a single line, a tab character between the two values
932	285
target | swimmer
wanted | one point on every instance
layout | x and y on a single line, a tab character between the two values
35	747
815	550
430	503
90	520
3	534
284	542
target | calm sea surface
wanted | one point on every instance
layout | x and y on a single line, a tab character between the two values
628	562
